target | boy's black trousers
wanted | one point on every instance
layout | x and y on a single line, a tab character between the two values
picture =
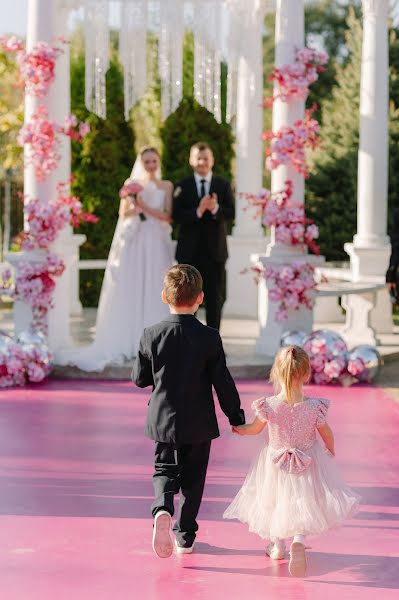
180	468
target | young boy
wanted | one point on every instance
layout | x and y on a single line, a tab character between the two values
181	359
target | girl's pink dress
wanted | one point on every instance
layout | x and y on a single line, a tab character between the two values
294	487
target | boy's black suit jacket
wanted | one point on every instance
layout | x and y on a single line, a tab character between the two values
182	358
208	235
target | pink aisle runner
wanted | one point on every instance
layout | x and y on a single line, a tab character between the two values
76	490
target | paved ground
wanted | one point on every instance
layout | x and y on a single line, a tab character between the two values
76	489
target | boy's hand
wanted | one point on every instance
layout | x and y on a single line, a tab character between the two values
238	429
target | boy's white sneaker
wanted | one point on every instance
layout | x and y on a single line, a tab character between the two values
275	552
298	563
183	549
162	542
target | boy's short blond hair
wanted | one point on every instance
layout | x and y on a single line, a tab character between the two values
182	285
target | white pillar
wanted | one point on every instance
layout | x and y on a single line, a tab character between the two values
248	235
249	146
289	37
47	22
370	249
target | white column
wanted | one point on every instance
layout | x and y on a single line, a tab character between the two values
370	249
289	37
249	146
248	235
47	22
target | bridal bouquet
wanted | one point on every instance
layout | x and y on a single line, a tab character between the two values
132	188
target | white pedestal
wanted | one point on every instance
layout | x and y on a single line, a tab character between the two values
358	328
302	319
368	262
241	290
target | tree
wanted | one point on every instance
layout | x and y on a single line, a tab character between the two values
331	192
11	114
191	123
331	189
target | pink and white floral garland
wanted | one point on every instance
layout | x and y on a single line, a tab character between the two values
42	136
37	67
21	362
293	286
289	220
289	144
293	81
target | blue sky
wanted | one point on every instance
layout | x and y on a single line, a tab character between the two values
14	15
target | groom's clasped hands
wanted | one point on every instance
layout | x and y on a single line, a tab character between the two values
208	202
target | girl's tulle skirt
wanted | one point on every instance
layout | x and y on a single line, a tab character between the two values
275	503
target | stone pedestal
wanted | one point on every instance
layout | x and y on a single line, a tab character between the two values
270	329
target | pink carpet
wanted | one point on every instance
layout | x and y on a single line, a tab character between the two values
76	490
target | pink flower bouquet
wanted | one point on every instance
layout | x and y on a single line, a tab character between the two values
132	188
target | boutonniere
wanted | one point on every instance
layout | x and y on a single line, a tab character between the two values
177	192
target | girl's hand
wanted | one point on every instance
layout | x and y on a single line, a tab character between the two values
238	429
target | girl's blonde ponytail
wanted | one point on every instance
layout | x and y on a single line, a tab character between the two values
291	364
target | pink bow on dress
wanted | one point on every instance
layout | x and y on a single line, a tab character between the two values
291	460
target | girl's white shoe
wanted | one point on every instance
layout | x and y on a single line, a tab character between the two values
162	542
275	552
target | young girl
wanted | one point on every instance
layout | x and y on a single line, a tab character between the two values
294	489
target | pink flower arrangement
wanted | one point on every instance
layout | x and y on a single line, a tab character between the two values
293	81
74	206
130	188
291	225
37	67
293	287
74	129
288	145
41	135
20	363
44	221
35	283
328	355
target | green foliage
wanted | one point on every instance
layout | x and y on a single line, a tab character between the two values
331	189
146	115
11	115
100	165
191	123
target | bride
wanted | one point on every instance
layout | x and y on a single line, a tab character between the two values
141	252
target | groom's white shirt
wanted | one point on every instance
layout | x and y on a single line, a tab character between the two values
207	184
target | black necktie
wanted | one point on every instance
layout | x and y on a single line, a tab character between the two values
203	192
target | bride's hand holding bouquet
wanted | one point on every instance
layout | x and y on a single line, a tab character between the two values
130	191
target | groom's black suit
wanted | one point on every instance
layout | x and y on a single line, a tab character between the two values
202	241
181	359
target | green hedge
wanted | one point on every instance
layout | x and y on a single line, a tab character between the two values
189	124
100	167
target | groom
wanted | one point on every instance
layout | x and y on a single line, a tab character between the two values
202	206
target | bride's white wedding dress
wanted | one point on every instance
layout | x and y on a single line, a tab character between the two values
130	299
